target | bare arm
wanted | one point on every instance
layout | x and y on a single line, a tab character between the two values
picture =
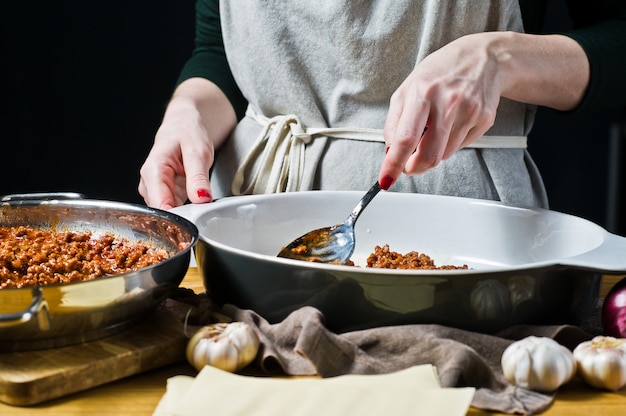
547	70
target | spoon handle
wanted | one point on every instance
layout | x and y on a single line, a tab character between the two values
367	198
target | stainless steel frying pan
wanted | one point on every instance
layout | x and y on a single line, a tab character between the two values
58	315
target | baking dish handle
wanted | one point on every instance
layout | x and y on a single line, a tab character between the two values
191	212
38	309
609	257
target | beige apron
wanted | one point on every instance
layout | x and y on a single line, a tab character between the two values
318	77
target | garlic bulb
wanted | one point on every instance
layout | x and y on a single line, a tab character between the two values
602	362
538	363
228	346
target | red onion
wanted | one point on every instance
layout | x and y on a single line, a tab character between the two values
614	311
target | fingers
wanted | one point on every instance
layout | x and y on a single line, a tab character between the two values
165	188
404	129
429	151
158	184
444	136
176	170
421	139
421	130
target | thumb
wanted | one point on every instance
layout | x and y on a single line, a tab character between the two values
197	178
199	188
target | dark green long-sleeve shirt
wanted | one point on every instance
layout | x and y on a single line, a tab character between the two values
599	26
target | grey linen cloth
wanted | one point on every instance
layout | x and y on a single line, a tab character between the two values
301	344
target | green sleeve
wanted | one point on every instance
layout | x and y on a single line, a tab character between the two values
599	26
209	58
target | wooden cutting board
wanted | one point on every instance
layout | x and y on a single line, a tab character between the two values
32	377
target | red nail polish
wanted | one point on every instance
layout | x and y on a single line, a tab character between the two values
203	193
386	182
386	149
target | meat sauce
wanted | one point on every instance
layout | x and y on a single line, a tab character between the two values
34	257
384	258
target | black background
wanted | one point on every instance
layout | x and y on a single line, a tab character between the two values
84	85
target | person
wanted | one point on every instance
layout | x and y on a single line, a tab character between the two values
422	96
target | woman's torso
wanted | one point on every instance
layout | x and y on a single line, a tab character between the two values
336	63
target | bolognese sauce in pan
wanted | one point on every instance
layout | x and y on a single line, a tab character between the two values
30	256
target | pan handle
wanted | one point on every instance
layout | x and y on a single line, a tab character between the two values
608	258
38	309
41	196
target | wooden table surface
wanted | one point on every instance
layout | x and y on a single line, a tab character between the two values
140	394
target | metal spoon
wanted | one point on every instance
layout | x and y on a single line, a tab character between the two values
330	244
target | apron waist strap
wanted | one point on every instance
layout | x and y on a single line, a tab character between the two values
280	151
